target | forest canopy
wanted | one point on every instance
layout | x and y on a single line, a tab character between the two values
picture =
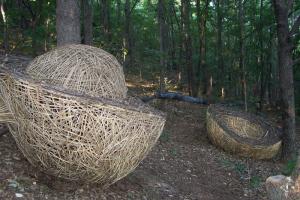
218	48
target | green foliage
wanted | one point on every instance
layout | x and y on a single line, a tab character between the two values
226	163
289	167
173	152
164	137
240	167
255	181
31	28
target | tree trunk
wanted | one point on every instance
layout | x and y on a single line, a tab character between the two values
68	22
270	74
220	7
163	41
87	22
22	20
187	45
36	20
180	44
261	59
285	62
47	33
5	29
128	43
172	39
201	68
119	12
105	18
242	52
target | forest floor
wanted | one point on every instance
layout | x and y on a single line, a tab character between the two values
182	165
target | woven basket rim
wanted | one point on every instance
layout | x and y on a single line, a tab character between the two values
130	103
217	111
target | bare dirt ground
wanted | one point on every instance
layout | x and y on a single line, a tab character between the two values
183	165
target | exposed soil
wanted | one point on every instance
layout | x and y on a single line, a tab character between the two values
183	165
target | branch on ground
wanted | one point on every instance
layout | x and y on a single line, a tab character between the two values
176	96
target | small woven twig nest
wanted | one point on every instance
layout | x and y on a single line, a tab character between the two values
242	133
75	136
81	68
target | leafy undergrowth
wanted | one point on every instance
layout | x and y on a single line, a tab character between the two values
182	165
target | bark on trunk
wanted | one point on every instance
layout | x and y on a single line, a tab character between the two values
201	68
220	7
172	35
242	53
181	45
68	22
187	45
105	18
118	12
128	43
285	62
163	41
261	60
36	21
87	22
5	29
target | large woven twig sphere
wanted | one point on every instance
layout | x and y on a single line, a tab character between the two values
81	68
78	137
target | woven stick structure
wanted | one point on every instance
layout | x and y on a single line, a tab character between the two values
10	61
75	136
81	68
242	133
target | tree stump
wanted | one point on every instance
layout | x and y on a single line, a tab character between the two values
280	187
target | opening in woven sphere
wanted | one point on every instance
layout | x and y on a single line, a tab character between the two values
81	68
242	133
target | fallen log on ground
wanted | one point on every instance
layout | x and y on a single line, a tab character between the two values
176	96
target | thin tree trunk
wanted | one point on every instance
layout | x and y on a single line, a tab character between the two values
119	12
201	68
47	32
128	43
105	18
5	29
220	7
242	52
180	42
285	62
68	22
36	20
163	41
172	50
271	96
187	45
22	22
87	22
34	45
263	82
